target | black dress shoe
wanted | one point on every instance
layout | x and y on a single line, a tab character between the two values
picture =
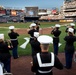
16	57
67	67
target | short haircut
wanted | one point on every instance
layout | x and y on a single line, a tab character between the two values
45	46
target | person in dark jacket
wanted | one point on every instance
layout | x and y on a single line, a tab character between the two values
69	47
44	62
35	44
56	32
32	30
31	33
5	56
13	37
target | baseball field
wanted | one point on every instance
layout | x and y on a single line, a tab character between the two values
45	29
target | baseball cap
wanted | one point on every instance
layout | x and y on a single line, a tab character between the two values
45	39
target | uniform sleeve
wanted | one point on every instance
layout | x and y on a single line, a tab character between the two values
17	34
60	33
29	32
66	30
52	32
65	38
58	64
75	38
34	67
6	46
74	30
9	34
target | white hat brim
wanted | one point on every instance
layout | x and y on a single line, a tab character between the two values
72	24
71	30
11	27
33	24
57	25
44	39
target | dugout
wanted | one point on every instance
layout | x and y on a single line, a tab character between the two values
30	19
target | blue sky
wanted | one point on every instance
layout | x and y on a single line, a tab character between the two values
24	3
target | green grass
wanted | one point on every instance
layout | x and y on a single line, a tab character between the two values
27	51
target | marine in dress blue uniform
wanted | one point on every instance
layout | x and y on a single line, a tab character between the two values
35	44
13	37
32	30
31	33
56	32
44	62
69	47
5	56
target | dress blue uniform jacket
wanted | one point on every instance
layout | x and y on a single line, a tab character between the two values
45	69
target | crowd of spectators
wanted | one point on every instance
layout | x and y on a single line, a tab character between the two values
69	8
70	14
71	4
52	17
9	18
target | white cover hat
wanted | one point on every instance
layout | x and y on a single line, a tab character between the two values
36	34
11	27
2	36
32	24
72	24
45	39
57	25
71	30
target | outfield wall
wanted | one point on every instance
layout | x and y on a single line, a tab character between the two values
58	20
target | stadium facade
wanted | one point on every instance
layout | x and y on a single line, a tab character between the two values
69	9
67	13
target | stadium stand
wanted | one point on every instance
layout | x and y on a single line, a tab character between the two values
67	12
11	14
69	8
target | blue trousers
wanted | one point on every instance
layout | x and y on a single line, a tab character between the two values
55	48
7	65
68	58
14	52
